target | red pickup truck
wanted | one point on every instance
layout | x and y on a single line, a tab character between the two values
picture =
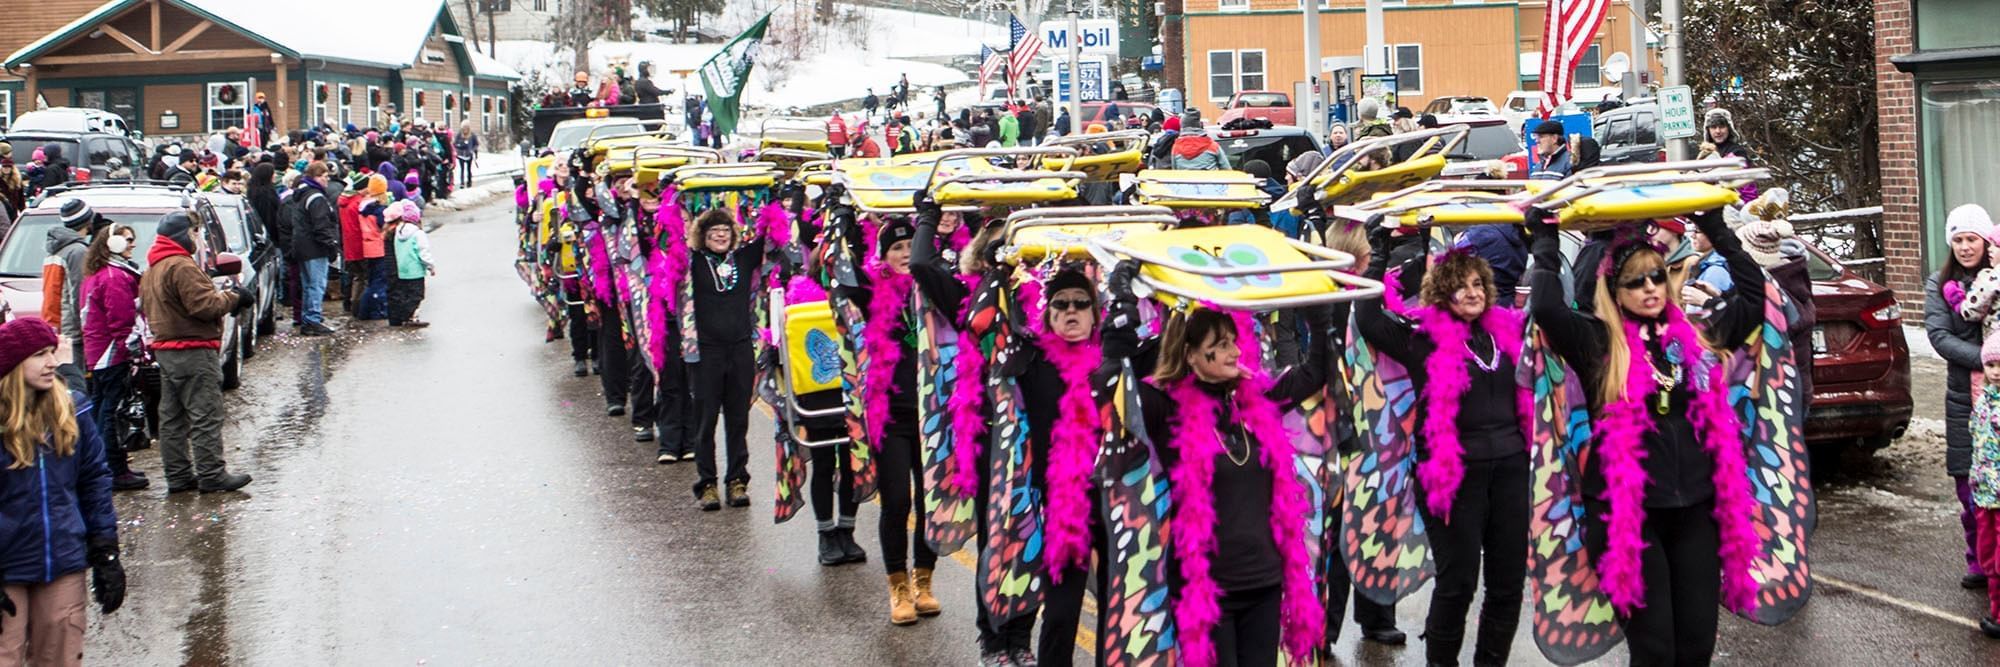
1271	105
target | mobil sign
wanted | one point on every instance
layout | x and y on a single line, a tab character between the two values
1095	35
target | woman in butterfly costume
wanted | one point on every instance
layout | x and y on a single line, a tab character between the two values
1244	580
1471	440
1668	511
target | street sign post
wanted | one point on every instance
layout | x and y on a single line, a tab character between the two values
1097	36
1677	113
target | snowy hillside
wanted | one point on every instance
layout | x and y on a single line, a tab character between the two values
841	65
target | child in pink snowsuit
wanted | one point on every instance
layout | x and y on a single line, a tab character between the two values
1985	477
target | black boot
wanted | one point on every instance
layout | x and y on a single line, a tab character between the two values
830	552
579	369
853	551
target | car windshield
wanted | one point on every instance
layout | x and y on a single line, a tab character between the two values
1820	269
571	136
1274	149
1487	142
1261	100
1474	106
28	243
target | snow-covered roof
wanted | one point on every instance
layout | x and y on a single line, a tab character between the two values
485	66
378	33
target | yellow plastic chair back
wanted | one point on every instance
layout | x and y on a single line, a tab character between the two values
1228	246
1188	188
1349	187
812	348
726	176
538	170
1644	202
1041	190
1035	244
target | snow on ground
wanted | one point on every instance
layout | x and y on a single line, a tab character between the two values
847	65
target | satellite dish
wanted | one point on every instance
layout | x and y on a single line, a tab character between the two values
1616	67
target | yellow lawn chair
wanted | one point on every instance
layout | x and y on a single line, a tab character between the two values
1238	267
1037	234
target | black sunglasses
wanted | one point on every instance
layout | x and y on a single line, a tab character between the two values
1657	277
1069	304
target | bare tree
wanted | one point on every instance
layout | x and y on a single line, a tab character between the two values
685	14
472	23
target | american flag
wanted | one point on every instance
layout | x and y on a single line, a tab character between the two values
990	63
1567	28
1024	45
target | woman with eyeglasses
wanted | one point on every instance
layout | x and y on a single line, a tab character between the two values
1471	439
1243	581
1666	496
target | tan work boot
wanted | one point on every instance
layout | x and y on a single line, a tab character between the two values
927	604
902	604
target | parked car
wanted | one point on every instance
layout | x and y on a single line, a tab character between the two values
71	119
1096	112
1522	105
1461	105
244	235
1271	105
139	206
1861	363
1488	140
1630	134
1276	145
90	140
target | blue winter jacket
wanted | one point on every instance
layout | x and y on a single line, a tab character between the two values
50	512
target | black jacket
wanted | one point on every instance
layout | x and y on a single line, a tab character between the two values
318	234
1958	342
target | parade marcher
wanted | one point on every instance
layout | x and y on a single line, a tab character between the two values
112	334
723	278
1235	533
1461	349
413	262
1958	341
184	310
1665	488
55	471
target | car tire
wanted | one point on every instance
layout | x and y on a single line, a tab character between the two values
232	370
268	324
246	340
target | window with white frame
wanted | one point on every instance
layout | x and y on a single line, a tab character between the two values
1590	69
374	105
346	100
450	109
1409	68
1250	69
1221	74
323	99
485	113
1231	72
226	104
417	103
6	109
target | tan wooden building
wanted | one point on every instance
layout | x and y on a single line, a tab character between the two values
192	67
1437	47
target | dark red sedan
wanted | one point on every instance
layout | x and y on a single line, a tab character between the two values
1861	364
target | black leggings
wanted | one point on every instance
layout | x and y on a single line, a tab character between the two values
1062	610
1247	634
899	478
725	372
1683	585
1490	515
611	362
826	460
676	405
581	338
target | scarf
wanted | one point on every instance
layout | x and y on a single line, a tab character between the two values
1191	530
1622	449
1072	441
1446	380
886	306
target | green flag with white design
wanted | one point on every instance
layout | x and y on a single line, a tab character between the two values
725	74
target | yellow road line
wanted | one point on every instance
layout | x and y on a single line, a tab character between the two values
1085	637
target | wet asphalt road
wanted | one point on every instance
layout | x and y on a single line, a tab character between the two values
454	496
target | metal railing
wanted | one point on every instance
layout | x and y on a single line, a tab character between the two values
1852	236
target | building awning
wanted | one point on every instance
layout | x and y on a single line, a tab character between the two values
1924	61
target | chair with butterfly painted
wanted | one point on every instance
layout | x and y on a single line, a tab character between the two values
1198	197
808	386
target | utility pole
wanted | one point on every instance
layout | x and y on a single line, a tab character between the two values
1375	57
1075	72
1315	115
1670	23
1633	87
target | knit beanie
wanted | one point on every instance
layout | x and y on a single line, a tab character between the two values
23	338
1304	164
1990	352
1968	219
1368	109
405	210
1761	238
377	185
895	230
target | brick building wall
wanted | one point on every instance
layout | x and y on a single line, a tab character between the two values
1896	103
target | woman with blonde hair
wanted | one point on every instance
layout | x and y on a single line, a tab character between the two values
55	470
1667	497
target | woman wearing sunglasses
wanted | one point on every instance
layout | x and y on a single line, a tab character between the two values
1243	580
1472	471
1665	490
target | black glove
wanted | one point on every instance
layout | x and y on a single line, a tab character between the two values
794	194
1122	311
834	193
244	298
1712	224
107	574
1541	227
1309	200
1381	240
928	210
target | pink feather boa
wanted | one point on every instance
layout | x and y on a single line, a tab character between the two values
1197	438
774	223
1446	380
967	406
890	298
802	289
672	228
1072	454
600	263
1623	451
